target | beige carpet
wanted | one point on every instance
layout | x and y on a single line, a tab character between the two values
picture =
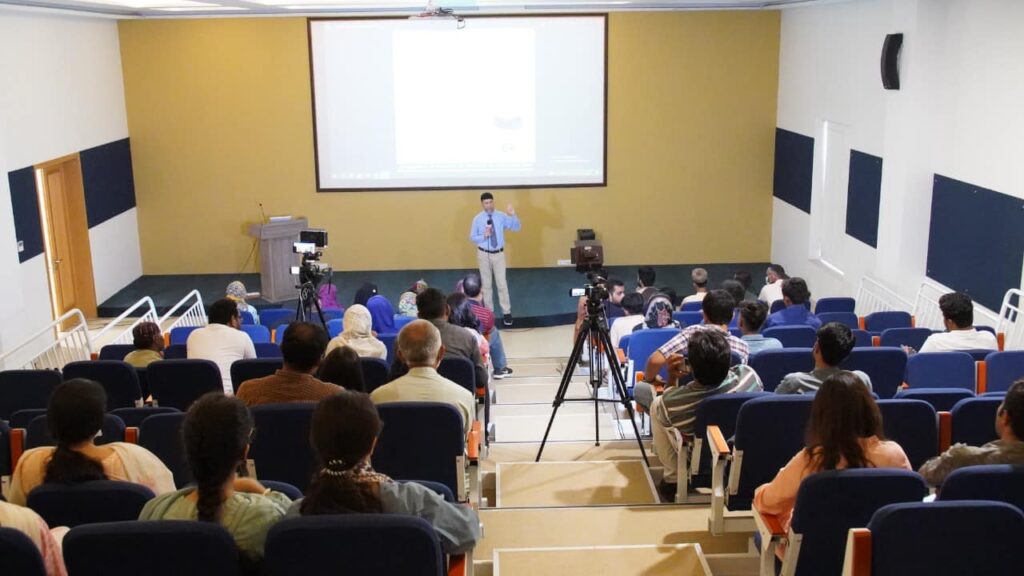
678	560
573	484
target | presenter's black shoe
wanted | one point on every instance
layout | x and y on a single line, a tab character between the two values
507	320
667	491
503	373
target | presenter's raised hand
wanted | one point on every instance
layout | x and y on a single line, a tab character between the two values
511	210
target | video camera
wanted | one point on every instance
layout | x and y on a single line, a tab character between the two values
311	270
588	256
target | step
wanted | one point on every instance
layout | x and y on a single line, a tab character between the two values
560	484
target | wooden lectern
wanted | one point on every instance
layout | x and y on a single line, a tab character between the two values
277	258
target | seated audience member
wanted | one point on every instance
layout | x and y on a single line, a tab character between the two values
699	277
673	296
1009	449
717	307
344	433
221	341
633	304
364	293
32	525
74	417
343	368
835	342
744	278
382	315
613	305
407	301
328	294
709	356
797	312
358	334
457	342
149	345
958	316
461	314
752	315
773	279
217	432
735	289
645	277
302	349
658	314
471	287
236	291
420	348
844	431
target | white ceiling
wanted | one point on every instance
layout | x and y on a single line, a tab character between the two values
201	8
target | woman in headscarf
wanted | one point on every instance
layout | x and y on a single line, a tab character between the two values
407	301
236	291
383	315
658	314
366	291
357	335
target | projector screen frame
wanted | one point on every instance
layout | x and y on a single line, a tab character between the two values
312	96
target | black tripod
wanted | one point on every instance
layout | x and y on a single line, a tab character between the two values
595	330
309	301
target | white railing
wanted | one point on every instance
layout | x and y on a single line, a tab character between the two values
125	336
1011	324
872	296
51	348
189	311
928	315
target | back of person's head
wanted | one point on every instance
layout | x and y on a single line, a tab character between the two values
753	313
699	277
646	276
303	345
795	289
74	415
735	289
471	285
216	435
460	311
957	308
1013	406
222	311
778	270
364	293
358	320
419	343
343	367
343	431
744	278
709	355
147	336
843	412
430	304
835	342
672	295
633	303
718	306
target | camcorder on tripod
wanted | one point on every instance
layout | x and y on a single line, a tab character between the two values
312	274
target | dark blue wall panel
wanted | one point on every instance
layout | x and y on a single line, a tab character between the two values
863	196
109	185
25	204
794	168
976	240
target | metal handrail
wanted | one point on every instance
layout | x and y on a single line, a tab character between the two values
67	346
873	296
928	315
194	315
1011	324
125	337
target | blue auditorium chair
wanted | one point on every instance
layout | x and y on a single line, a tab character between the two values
133	417
643	343
405	452
885	366
913	425
459	370
5	449
941	370
25	389
22	418
773	365
863	338
283	487
1000	482
973	420
176	352
792	336
179	383
375	373
267	350
38	434
848	318
257	333
688	318
1002	369
331	314
833	305
88	502
119	380
389	343
335	327
180	334
718	410
247	319
912	337
161	435
942	399
115	351
624	342
877	322
281	449
274	317
250	368
692	306
777	306
19	555
401	321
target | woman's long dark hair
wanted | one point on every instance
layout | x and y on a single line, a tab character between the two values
74	415
342	432
216	435
342	367
843	413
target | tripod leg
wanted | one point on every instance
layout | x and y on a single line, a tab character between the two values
621	389
563	386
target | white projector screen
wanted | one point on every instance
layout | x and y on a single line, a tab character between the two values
421	103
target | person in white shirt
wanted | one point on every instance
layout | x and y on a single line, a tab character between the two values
772	290
699	277
958	316
633	304
221	341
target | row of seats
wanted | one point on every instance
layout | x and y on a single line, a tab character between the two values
823	306
271	320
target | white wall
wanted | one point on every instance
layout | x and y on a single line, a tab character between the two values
62	93
957	114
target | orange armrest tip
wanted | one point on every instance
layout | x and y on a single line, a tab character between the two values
718	442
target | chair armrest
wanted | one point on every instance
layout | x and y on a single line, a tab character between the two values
473	441
459	565
719	456
131	435
913	321
17	446
876	340
639	375
716	442
861	323
772	533
621	355
858	553
982	370
1001	340
945	431
772	524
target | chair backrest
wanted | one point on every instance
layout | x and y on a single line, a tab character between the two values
161	435
942	399
401	320
375	373
37	434
719	410
978	355
332	314
180	334
247	319
885	366
913	424
22	418
389	342
5	449
1001	482
880	321
267	350
973	420
688	317
115	351
1002	369
459	370
834	304
257	333
941	370
134	417
249	368
696	306
793	336
862	338
281	447
405	452
848	318
21	389
19	555
829	503
89	502
913	337
776	306
436	487
119	380
773	365
274	317
947	538
176	352
156	548
643	343
373	544
769	431
335	327
179	383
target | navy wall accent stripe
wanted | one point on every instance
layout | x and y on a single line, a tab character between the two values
794	168
976	240
25	204
108	180
863	197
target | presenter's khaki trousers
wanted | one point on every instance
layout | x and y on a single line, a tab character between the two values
493	264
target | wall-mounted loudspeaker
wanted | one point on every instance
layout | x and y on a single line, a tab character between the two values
891	61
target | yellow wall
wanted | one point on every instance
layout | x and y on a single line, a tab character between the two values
219	114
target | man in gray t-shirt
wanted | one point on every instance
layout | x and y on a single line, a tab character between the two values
835	342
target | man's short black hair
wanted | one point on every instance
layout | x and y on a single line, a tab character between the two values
222	311
957	308
430	304
743	277
486	196
646	276
1013	403
778	270
753	313
303	345
633	303
835	341
796	290
673	297
471	285
613	282
718	306
735	289
710	355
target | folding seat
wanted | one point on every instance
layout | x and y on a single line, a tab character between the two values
249	368
389	342
978	355
773	365
247	319
154	548
642	344
258	334
405	452
914	426
24	389
897	337
89	502
848	318
828	505
876	322
180	334
281	449
274	317
885	367
1000	370
375	373
834	304
21	418
972	421
335	327
267	350
161	435
119	380
330	314
793	336
19	555
459	370
862	338
1001	482
115	351
940	378
688	318
175	352
279	334
776	306
692	306
38	434
939	539
401	321
133	417
624	343
179	383
941	399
